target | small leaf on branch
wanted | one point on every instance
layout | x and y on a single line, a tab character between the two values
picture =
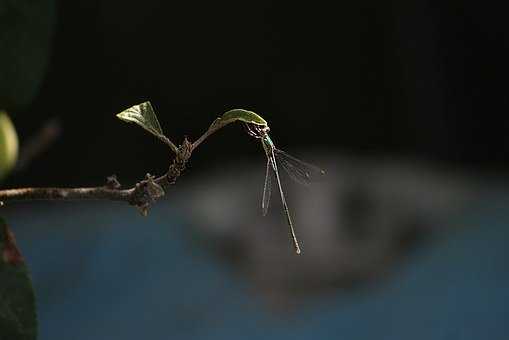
143	114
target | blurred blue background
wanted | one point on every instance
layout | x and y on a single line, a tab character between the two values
102	272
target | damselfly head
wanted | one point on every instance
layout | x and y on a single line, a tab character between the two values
256	131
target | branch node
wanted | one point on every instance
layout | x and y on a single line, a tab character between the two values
179	163
142	195
146	193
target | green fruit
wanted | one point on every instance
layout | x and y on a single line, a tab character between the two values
8	144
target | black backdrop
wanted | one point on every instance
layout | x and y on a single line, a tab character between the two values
405	78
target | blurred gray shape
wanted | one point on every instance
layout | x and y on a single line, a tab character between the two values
102	271
354	226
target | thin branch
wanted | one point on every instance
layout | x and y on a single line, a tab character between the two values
93	193
168	142
142	195
216	125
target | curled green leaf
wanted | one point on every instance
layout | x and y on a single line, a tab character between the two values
230	117
242	115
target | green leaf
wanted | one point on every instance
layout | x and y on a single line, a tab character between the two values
8	144
17	300
242	115
26	29
143	115
230	117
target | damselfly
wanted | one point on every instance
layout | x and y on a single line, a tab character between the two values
299	171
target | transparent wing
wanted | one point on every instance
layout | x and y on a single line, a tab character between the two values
299	171
267	188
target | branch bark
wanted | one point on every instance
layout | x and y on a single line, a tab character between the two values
142	195
215	126
92	193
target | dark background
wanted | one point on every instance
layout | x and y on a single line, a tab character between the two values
416	79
